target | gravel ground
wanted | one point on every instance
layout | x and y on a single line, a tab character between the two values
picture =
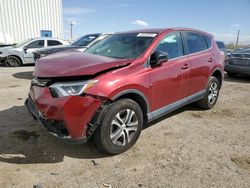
188	148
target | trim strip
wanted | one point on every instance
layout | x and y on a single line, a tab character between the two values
171	107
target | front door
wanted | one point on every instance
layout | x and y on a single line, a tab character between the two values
170	81
30	48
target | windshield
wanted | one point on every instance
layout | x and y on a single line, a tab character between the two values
123	46
85	40
245	50
22	43
98	39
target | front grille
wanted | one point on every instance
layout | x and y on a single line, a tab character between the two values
36	56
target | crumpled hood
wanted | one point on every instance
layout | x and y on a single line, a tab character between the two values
72	63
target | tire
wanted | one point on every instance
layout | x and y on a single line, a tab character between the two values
12	61
120	128
211	95
231	74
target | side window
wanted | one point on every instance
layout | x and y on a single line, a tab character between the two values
172	45
53	43
194	42
208	41
36	44
220	45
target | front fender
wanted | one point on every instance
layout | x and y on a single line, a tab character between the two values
16	53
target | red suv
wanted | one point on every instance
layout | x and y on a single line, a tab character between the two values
118	85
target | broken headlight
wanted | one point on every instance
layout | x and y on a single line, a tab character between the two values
64	89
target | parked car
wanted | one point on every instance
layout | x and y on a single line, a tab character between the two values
229	51
81	44
126	80
238	62
222	47
19	54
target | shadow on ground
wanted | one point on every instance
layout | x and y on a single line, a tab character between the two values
24	141
237	79
23	75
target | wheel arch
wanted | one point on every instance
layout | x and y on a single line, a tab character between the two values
16	56
136	96
218	74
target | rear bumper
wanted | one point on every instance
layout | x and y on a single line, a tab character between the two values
67	117
237	69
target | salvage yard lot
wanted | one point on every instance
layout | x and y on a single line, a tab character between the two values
188	148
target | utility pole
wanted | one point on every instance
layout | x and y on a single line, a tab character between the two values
71	29
237	40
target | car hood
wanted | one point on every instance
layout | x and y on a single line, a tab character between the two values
5	49
54	49
72	63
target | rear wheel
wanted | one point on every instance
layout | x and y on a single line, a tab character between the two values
211	95
12	61
120	128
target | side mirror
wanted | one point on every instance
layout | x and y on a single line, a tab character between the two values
157	58
25	48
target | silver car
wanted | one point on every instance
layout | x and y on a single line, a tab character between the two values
22	53
80	44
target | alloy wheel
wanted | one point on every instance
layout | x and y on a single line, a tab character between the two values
213	93
123	127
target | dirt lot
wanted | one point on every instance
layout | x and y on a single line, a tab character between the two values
188	148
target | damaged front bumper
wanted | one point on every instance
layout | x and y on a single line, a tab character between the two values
66	117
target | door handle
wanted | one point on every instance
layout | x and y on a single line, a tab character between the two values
210	60
185	66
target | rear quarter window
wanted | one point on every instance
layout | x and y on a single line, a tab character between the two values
193	42
208	41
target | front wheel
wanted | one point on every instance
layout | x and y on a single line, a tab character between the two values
120	128
211	95
12	61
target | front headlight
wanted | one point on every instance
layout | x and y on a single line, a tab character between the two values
71	88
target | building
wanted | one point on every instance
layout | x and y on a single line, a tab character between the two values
23	19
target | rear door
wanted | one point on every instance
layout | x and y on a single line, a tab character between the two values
200	58
170	80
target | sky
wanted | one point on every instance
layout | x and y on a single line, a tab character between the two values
222	18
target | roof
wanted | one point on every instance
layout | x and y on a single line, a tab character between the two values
156	30
44	38
160	30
